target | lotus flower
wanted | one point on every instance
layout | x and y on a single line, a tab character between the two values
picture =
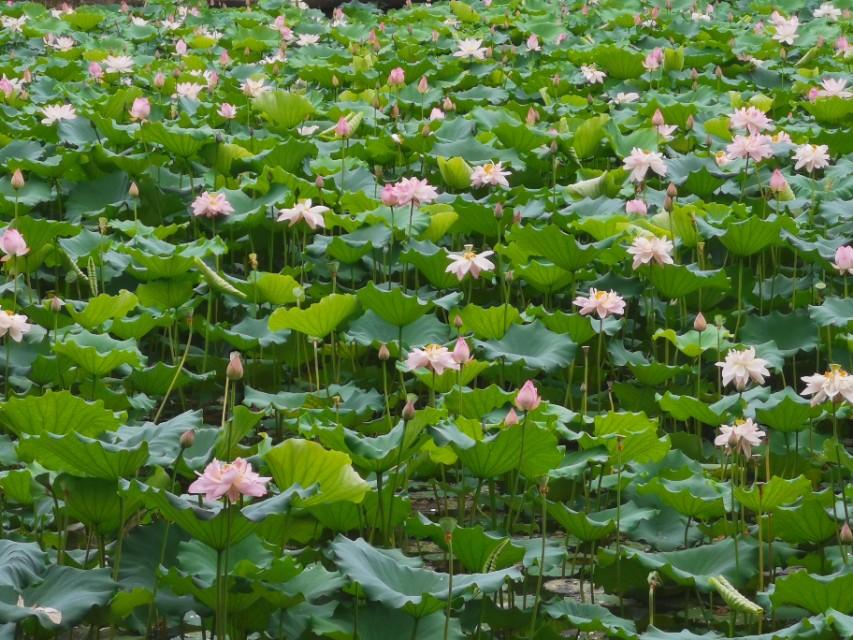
12	243
212	205
229	479
811	157
844	260
601	303
740	437
304	210
491	173
750	119
527	398
469	262
471	49
647	249
57	112
755	147
639	162
14	325
434	357
833	385
741	366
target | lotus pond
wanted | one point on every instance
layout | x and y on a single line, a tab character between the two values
474	319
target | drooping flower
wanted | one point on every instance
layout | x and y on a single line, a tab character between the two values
592	74
811	157
118	64
527	398
648	249
740	437
212	205
303	210
754	147
414	191
470	48
13	245
469	261
834	385
229	479
14	325
741	366
490	174
844	260
227	111
601	303
140	109
639	162
56	112
432	356
752	119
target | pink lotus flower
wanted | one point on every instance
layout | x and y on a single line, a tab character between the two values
834	88
234	369
842	46
229	479
461	352
602	303
343	129
397	77
834	385
303	210
778	184
527	398
57	112
844	260
742	366
639	162
414	191
423	85
740	437
469	262
159	80
181	47
786	28
647	249
653	60
212	205
811	157
434	357
141	109
511	418
227	111
253	88
533	43
751	119
753	147
12	243
389	196
189	90
436	114
592	74
636	206
491	173
14	325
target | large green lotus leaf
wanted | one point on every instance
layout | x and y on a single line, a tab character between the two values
305	463
57	412
815	593
409	587
183	143
96	502
166	294
533	345
21	563
685	408
488	323
543	276
553	243
520	137
831	110
154	267
591	618
82	456
158	379
477	550
450	379
836	312
640	447
623	423
785	411
274	288
378	622
72	592
693	343
588	135
17	486
477	403
102	308
579	524
393	305
98	355
675	280
85	19
498	454
807	523
750	236
696	497
791	332
283	110
432	263
575	464
380	453
769	496
318	320
455	172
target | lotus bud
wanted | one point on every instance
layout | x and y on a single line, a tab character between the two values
511	418
458	322
133	191
425	131
555	80
253	261
667	203
516	216
423	85
690	123
532	116
778	184
527	398
672	190
384	354
319	182
846	535
234	370
448	105
499	210
335	82
409	407
700	324
718	72
159	80
509	275
187	439
55	303
103	225
461	352
658	119
18	181
395	112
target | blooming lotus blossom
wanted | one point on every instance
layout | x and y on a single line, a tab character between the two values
827	10
227	111
52	614
625	98
13	245
592	74
389	196
740	437
653	60
750	118
844	260
811	157
648	249
470	48
665	131
14	325
752	147
639	162
842	46
636	206
253	88
118	64
229	479
781	137
15	25
189	90
57	112
10	87
490	174
834	88
63	43
414	191
461	351
469	261
436	114
306	39
786	28
303	210
741	366
432	356
181	47
141	109
138	21
212	205
834	385
601	303
527	398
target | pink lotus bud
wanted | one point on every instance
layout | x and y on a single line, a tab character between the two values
234	370
18	181
778	184
319	182
461	352
690	122
227	111
458	322
846	535
423	85
533	42
181	47
133	190
813	94
343	129
397	77
212	80
436	114
373	39
699	323
658	119
499	210
409	408
672	190
636	206
841	45
511	418
532	116
96	71
555	80
224	58
447	105
55	303
638	20
384	354
527	398
187	439
516	216
141	109
159	80
395	112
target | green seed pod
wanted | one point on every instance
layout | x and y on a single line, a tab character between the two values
92	276
734	598
217	281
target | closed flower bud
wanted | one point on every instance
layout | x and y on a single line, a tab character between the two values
667	203
187	439
234	370
384	354
458	322
846	535
499	210
527	398
423	85
672	190
319	182
690	122
409	407
133	191
461	352
658	119
55	303
18	181
511	418
700	324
